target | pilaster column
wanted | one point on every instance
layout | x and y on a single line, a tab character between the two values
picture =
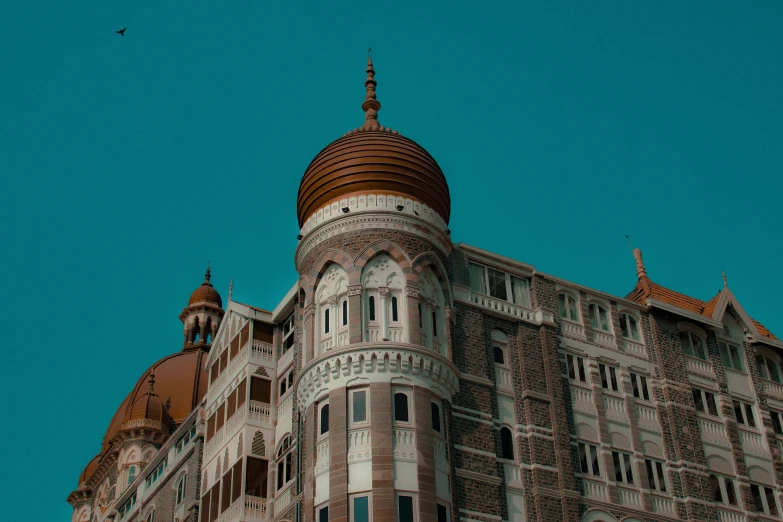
383	292
412	304
308	463
355	326
338	450
309	331
382	453
428	498
332	302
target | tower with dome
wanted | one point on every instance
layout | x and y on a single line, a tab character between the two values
406	378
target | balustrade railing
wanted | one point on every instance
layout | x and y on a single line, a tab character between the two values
255	508
503	377
663	505
325	345
773	389
214	443
727	515
573	330
259	411
698	366
397	334
512	473
629	497
283	500
604	339
635	348
614	403
582	399
713	431
501	305
262	351
752	442
232	514
284	408
594	489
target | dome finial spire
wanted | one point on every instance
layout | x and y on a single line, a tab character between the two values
152	381
371	105
641	271
208	275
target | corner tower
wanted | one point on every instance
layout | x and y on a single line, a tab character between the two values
375	380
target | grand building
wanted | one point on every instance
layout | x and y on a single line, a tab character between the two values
405	378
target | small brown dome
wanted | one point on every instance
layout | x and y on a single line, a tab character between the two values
373	162
149	407
206	293
89	470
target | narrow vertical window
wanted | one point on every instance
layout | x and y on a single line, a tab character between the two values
506	444
731	494
359	406
421	318
371	304
324	425
360	509
323	514
717	495
443	513
405	508
345	312
498	356
326	321
434	325
401	407
395	315
435	417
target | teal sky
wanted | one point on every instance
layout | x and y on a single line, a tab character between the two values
127	163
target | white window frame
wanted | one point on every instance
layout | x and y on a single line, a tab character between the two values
627	315
502	347
775	414
509	286
354	496
605	372
592	454
281	453
600	306
765	498
318	509
659	482
406	392
743	411
414	497
440	418
395	294
692	332
351	393
641	383
705	402
577	364
343	316
626	461
184	481
513	443
568	295
727	356
288	323
764	370
376	296
722	479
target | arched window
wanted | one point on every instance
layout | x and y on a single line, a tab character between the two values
498	355
630	327
150	516
421	319
768	368
181	486
323	425
599	317
331	297
693	345
371	302
432	306
131	474
382	305
506	444
401	407
284	463
394	313
568	307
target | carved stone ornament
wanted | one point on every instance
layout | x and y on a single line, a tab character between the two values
354	290
309	309
332	300
384	292
412	291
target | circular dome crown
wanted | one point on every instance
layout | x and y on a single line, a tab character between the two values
206	293
372	159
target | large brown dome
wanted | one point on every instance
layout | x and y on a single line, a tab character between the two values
373	162
180	382
372	159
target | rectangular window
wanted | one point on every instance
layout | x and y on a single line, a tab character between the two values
497	284
576	368
623	469
764	499
358	406
405	508
744	413
588	459
655	475
608	377
323	514
395	313
705	402
360	509
777	421
371	306
730	356
478	281
434	324
443	513
435	417
640	389
401	407
520	290
288	333
241	392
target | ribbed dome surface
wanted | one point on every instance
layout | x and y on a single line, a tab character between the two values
205	292
373	162
89	470
180	379
148	406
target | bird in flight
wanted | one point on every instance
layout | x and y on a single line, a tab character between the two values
121	32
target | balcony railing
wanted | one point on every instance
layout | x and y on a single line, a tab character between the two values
603	339
262	351
503	378
322	456
773	389
403	443
698	366
232	514
259	411
752	442
629	497
727	515
503	306
635	348
255	508
573	330
714	432
594	489
512	474
283	500
664	505
582	399
647	416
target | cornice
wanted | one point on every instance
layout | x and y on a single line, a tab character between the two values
376	362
